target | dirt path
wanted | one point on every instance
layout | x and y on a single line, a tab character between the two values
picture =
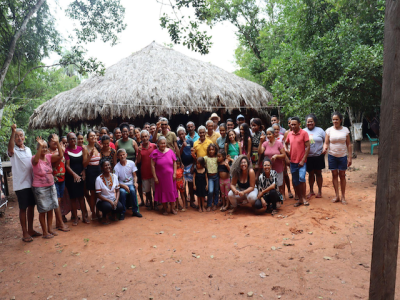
318	252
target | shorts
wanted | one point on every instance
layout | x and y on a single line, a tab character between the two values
46	198
147	185
186	173
279	179
60	186
337	163
298	173
26	198
180	185
315	163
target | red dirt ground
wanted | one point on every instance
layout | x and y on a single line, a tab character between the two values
322	251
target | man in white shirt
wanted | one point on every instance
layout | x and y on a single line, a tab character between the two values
20	157
126	173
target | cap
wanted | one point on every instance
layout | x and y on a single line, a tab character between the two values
239	117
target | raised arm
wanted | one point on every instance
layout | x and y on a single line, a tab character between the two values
178	153
11	142
261	149
57	157
39	150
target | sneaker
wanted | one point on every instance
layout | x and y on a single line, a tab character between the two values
136	214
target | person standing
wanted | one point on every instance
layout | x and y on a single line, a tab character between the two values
20	157
200	146
337	141
215	118
275	120
163	166
144	151
239	121
192	134
315	159
211	134
185	145
43	184
170	136
299	148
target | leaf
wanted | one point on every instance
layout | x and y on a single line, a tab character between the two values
64	265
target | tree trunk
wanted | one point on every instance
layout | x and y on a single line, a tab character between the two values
387	205
11	50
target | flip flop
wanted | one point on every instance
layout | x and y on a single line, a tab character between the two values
47	237
306	203
36	234
27	240
318	196
63	229
297	204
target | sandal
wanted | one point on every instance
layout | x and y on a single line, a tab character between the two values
290	195
27	240
49	236
306	203
65	229
274	212
297	204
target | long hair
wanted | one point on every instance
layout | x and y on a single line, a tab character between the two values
227	141
245	136
235	168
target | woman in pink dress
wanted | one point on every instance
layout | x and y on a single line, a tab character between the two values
163	167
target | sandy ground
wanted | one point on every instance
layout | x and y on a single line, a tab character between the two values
322	251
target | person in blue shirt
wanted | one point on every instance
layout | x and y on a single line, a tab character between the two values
192	134
185	145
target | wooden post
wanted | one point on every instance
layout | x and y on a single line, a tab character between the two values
387	204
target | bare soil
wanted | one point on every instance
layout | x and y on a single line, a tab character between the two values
322	251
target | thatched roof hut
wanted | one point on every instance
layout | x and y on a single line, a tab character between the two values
153	81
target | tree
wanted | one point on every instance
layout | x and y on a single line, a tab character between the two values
313	56
28	34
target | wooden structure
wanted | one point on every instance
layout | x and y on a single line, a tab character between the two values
387	204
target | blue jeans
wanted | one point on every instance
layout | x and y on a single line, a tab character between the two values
213	189
132	196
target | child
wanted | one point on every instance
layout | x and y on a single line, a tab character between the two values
224	178
213	179
232	147
200	183
222	139
180	183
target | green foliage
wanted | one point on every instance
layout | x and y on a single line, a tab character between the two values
39	86
313	56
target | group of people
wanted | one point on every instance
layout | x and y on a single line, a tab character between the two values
221	165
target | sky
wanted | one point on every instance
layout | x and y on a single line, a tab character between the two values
143	27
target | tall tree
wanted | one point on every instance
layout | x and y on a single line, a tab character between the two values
28	34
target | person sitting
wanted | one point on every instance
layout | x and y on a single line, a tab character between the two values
107	191
267	189
243	186
43	184
126	173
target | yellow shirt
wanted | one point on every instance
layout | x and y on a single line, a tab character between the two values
213	137
201	148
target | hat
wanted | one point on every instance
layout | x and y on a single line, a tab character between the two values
214	115
239	117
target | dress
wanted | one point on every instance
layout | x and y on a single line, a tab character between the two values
180	183
201	183
109	157
164	165
75	189
93	170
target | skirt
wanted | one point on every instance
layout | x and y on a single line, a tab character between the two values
46	198
92	172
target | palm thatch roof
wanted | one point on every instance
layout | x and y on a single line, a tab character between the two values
155	80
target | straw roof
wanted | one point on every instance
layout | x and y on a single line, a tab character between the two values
155	80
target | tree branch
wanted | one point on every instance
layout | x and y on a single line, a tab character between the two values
11	49
23	78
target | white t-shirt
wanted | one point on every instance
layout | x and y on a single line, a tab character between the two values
125	173
21	168
102	189
337	141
